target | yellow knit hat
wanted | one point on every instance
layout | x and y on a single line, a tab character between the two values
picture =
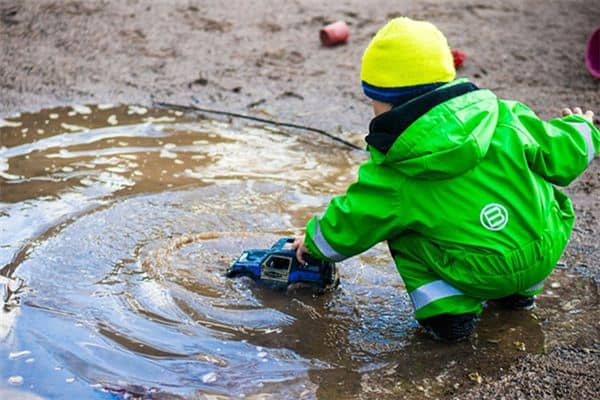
407	53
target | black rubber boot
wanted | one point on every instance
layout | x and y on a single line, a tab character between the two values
517	302
450	328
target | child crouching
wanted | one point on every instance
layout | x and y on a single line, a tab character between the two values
460	183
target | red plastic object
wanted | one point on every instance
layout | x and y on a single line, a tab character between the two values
459	58
335	33
592	54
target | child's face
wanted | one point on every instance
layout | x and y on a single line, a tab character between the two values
380	107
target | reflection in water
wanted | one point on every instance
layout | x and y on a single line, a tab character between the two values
122	234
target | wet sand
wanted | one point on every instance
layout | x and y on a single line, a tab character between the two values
257	59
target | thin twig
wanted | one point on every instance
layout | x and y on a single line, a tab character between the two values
194	108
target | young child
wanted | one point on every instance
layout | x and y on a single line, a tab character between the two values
460	183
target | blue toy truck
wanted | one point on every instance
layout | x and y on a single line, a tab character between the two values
278	266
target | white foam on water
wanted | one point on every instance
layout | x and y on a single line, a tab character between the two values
209	377
73	128
18	354
9	124
80	109
136	110
160	119
167	154
15	380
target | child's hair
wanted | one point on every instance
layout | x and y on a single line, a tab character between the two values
405	59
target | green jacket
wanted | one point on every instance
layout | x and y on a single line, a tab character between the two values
462	182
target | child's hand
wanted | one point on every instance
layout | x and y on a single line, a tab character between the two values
298	245
589	115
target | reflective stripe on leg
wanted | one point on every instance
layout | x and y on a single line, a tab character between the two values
533	290
431	292
537	286
453	305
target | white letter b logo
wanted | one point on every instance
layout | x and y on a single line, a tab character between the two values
493	217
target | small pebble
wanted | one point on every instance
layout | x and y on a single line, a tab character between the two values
475	377
571	304
519	345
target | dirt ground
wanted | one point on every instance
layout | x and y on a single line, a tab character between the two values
264	58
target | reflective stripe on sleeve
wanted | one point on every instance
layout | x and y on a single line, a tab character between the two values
431	292
586	132
324	246
537	286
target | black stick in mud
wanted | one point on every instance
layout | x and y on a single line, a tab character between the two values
194	108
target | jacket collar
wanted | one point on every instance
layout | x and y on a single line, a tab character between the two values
385	128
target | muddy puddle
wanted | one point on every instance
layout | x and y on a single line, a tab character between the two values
117	224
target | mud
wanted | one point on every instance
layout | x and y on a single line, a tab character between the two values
116	238
260	60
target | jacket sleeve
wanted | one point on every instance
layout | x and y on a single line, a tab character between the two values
560	149
356	221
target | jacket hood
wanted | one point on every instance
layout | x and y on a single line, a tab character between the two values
438	135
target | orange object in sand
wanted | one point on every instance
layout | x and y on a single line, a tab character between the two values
335	33
459	58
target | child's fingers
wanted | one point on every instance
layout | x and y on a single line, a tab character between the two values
589	114
300	255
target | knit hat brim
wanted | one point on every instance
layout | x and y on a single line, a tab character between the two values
398	95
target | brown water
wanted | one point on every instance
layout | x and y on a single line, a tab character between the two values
117	224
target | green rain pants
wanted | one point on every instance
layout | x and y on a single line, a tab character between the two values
455	282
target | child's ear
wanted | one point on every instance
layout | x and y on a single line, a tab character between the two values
380	107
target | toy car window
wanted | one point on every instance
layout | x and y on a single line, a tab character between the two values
278	262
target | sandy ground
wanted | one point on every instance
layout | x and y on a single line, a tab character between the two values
264	58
